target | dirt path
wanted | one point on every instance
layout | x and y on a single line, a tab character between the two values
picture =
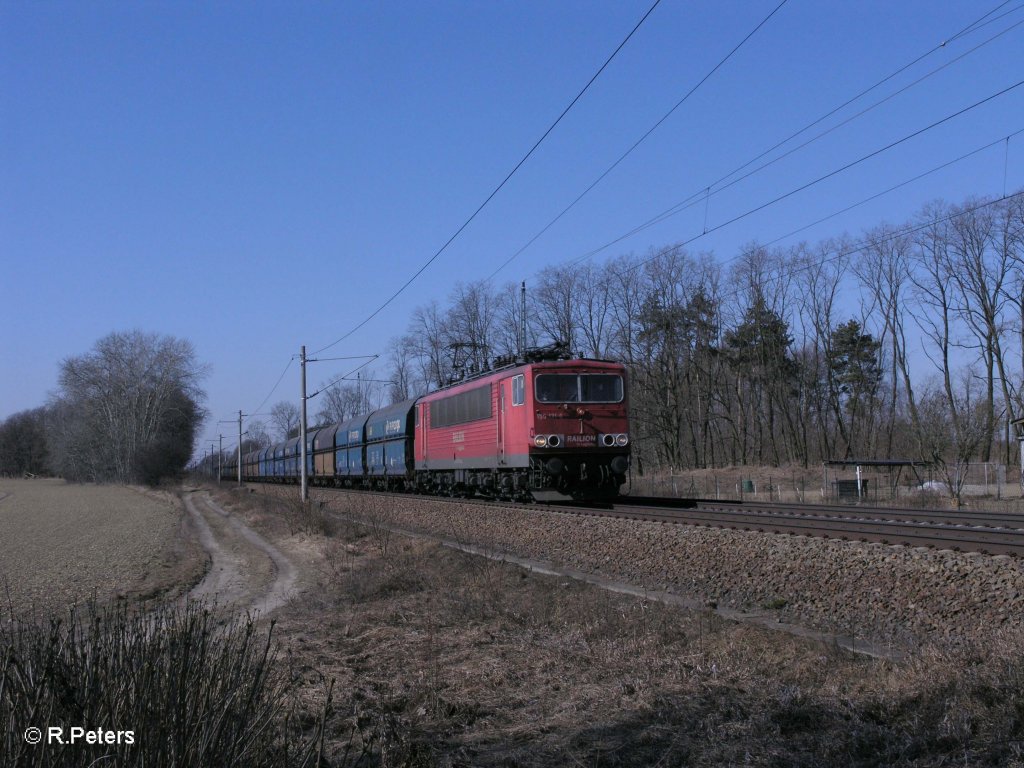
246	571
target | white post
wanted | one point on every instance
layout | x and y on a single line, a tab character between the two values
1021	438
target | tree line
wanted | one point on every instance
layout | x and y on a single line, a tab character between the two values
126	411
906	342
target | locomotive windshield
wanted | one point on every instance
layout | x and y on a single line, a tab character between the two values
578	388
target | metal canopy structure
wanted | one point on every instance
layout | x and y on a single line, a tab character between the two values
858	487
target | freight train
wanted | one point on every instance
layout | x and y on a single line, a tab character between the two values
541	429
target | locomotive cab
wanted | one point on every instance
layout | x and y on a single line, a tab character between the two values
578	440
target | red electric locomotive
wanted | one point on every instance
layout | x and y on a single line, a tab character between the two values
547	430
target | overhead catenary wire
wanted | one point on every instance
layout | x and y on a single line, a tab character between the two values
910	229
851	249
699	196
257	411
970	28
342	378
904	183
495	191
638	142
812	183
332	359
704	194
276	385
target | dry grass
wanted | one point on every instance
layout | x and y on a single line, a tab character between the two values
180	687
446	659
439	658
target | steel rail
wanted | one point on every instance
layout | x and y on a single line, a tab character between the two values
987	540
787	519
849	511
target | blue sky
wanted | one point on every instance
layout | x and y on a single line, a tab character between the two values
258	176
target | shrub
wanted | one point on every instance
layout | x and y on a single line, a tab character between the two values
192	691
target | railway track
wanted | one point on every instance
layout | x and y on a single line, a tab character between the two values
988	533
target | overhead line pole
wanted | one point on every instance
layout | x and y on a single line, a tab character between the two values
522	322
239	449
302	427
220	457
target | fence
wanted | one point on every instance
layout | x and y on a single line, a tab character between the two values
878	485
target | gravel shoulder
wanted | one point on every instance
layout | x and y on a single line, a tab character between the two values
62	543
860	594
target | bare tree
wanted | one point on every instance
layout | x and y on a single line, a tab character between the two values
1010	233
258	435
555	304
981	269
469	325
935	294
951	445
23	446
884	270
127	410
341	402
627	297
429	338
404	382
820	273
285	416
594	300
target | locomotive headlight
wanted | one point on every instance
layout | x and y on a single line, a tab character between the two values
622	439
608	440
541	441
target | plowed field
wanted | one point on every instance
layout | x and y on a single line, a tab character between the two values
62	543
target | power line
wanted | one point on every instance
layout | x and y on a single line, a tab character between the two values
699	197
274	388
816	181
341	378
849	250
893	235
969	29
497	189
257	411
893	188
704	194
637	143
